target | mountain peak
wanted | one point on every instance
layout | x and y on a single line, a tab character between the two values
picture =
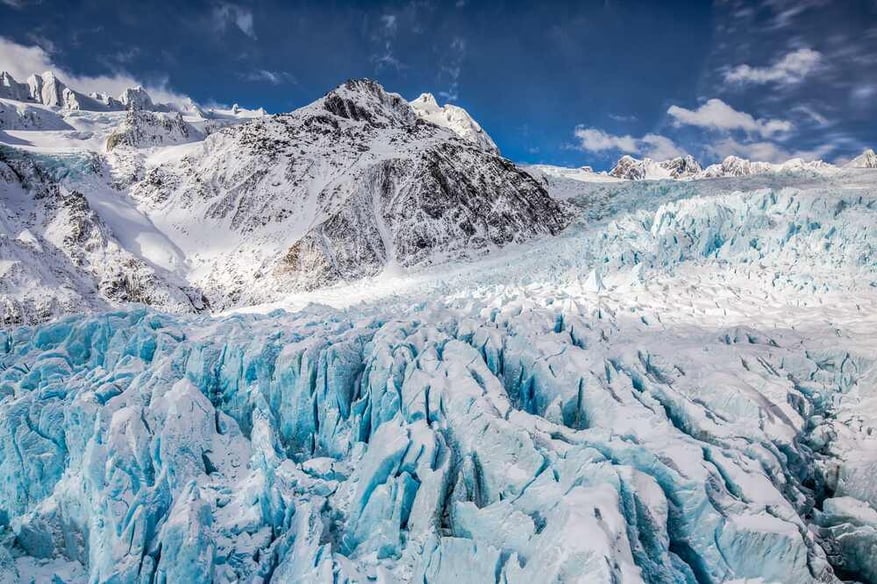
365	100
632	168
136	98
453	118
425	101
867	159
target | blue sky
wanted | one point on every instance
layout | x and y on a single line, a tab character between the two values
568	83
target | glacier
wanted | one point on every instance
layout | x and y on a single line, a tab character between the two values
679	387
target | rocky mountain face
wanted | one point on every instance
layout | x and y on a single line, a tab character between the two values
338	190
57	255
143	128
682	166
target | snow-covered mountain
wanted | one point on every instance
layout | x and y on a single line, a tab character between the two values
57	255
735	166
353	184
47	89
343	188
142	128
631	168
454	118
687	167
867	159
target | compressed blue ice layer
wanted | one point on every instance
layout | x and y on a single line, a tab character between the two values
508	434
507	440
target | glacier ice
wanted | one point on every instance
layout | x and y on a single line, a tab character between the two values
704	414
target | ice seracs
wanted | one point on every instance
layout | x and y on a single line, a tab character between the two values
512	421
454	118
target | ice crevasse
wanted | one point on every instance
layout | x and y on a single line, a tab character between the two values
504	441
521	433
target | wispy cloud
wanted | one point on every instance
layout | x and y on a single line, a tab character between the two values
384	36
785	12
651	145
272	77
715	114
226	15
791	68
622	118
452	64
23	61
19	4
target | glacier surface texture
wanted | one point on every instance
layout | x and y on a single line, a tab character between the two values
680	387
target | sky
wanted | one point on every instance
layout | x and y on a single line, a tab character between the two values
566	83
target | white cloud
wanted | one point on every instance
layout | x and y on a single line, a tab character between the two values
390	23
811	115
651	145
451	67
660	147
623	118
863	93
786	12
765	151
594	140
21	62
715	114
385	36
792	68
272	77
227	14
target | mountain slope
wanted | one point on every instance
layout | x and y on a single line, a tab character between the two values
248	208
58	256
337	190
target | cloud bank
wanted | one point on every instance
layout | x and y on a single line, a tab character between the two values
22	61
